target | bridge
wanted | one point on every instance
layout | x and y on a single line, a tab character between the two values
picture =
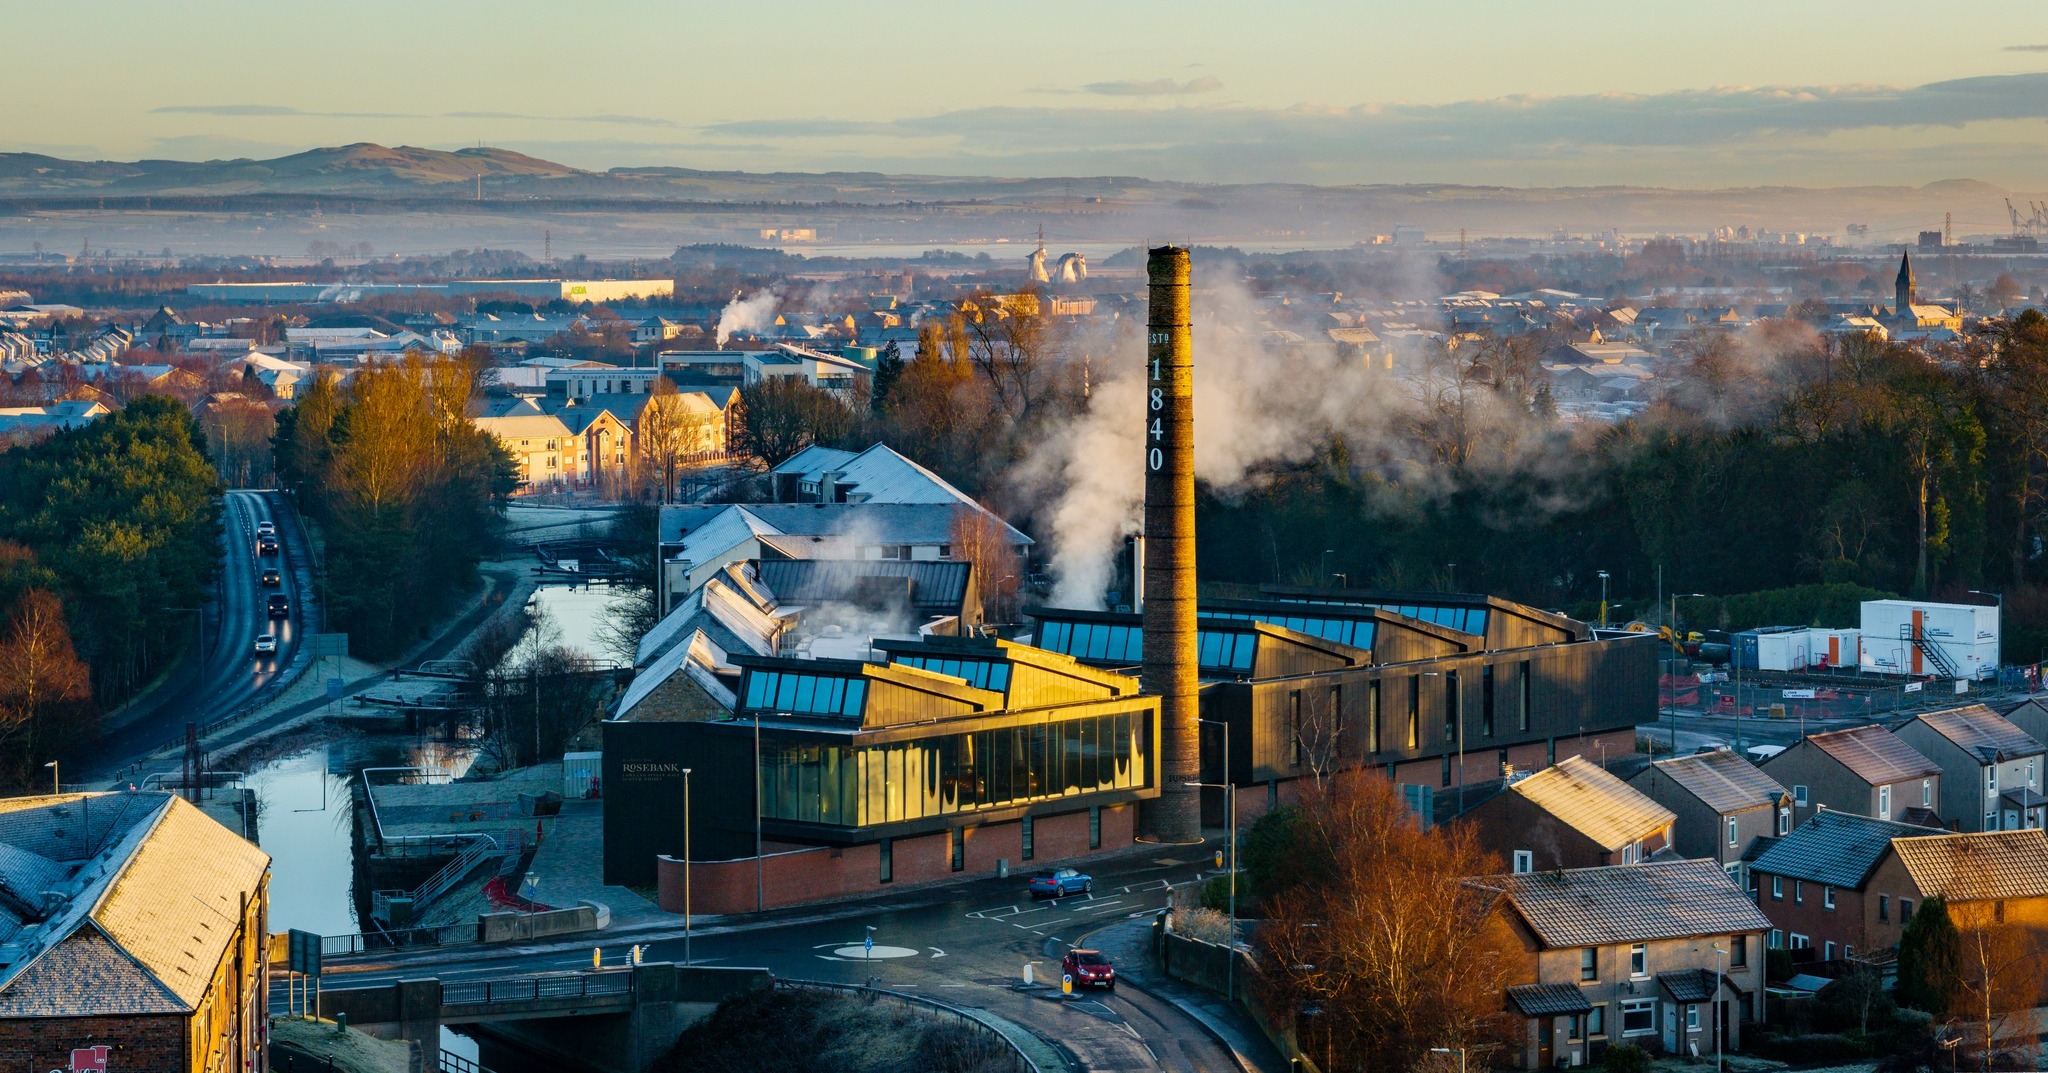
600	1020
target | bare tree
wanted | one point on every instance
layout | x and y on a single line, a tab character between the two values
1999	987
1388	938
981	538
663	435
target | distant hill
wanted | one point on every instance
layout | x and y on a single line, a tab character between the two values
411	178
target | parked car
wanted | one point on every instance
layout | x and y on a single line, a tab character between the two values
280	607
271	578
266	645
266	545
1055	882
1089	968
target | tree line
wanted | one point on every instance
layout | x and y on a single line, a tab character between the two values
406	490
109	534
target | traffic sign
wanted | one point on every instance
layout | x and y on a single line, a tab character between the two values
302	952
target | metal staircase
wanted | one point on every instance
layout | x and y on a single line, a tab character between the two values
401	907
1929	648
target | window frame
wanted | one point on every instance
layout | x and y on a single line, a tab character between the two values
1733	829
1589	964
1525	862
1639	961
1647	1008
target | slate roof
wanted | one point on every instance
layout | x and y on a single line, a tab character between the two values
934	585
879	473
142	894
1548	1000
1688	985
1873	754
1596	804
1978	867
1982	733
1630	903
1838	849
1723	780
873	523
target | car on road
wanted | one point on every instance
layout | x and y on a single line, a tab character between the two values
1760	753
266	645
266	545
1057	881
280	607
1089	968
266	529
271	578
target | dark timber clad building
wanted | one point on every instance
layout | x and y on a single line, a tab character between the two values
947	755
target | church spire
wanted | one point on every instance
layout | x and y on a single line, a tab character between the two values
1904	286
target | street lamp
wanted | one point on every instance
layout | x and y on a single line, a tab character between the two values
1679	643
1323	564
1229	787
1720	976
686	866
56	786
760	896
1460	1051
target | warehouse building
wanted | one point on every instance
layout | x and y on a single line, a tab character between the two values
131	931
932	755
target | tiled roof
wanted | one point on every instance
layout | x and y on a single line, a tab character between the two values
1596	804
87	975
1688	985
1835	848
1630	903
1978	867
1723	780
1874	754
1548	1000
1982	733
176	904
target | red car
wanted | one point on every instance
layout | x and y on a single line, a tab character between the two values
1089	968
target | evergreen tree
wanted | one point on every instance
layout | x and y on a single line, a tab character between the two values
1930	959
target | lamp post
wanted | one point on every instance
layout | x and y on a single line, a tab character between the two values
1459	1051
56	783
1230	803
1603	599
686	866
1323	564
1677	642
1720	976
760	890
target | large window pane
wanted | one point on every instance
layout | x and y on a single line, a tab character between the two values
856	691
1070	756
1123	750
806	694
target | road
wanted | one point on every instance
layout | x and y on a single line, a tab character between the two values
968	947
227	673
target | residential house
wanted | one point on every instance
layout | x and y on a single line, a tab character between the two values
1665	955
1573	814
547	455
1988	877
606	432
1723	804
1816	887
1866	770
1991	768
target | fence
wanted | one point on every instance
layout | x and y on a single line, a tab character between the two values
536	988
1820	698
462	934
918	1002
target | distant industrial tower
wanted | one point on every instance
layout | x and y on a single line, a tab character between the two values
1168	660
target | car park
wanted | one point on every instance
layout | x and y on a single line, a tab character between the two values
1089	968
1055	882
266	645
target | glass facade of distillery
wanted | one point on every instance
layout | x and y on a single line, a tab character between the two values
805	694
982	674
953	774
1106	642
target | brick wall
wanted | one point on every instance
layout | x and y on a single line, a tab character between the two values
825	873
135	1044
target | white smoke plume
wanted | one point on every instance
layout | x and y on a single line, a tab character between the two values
1255	406
747	314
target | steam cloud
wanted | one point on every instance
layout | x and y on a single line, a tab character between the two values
1255	407
747	314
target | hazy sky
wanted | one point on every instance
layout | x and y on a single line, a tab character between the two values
1521	92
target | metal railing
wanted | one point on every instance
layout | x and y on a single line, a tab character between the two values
455	1063
552	985
916	1002
479	848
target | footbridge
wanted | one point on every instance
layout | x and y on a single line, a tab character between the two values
600	1020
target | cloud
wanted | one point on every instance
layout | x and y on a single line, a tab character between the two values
1158	87
267	110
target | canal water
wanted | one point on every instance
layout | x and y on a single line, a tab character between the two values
304	812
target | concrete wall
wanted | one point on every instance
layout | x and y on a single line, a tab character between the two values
504	927
824	873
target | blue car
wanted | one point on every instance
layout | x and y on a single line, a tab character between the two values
1058	882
